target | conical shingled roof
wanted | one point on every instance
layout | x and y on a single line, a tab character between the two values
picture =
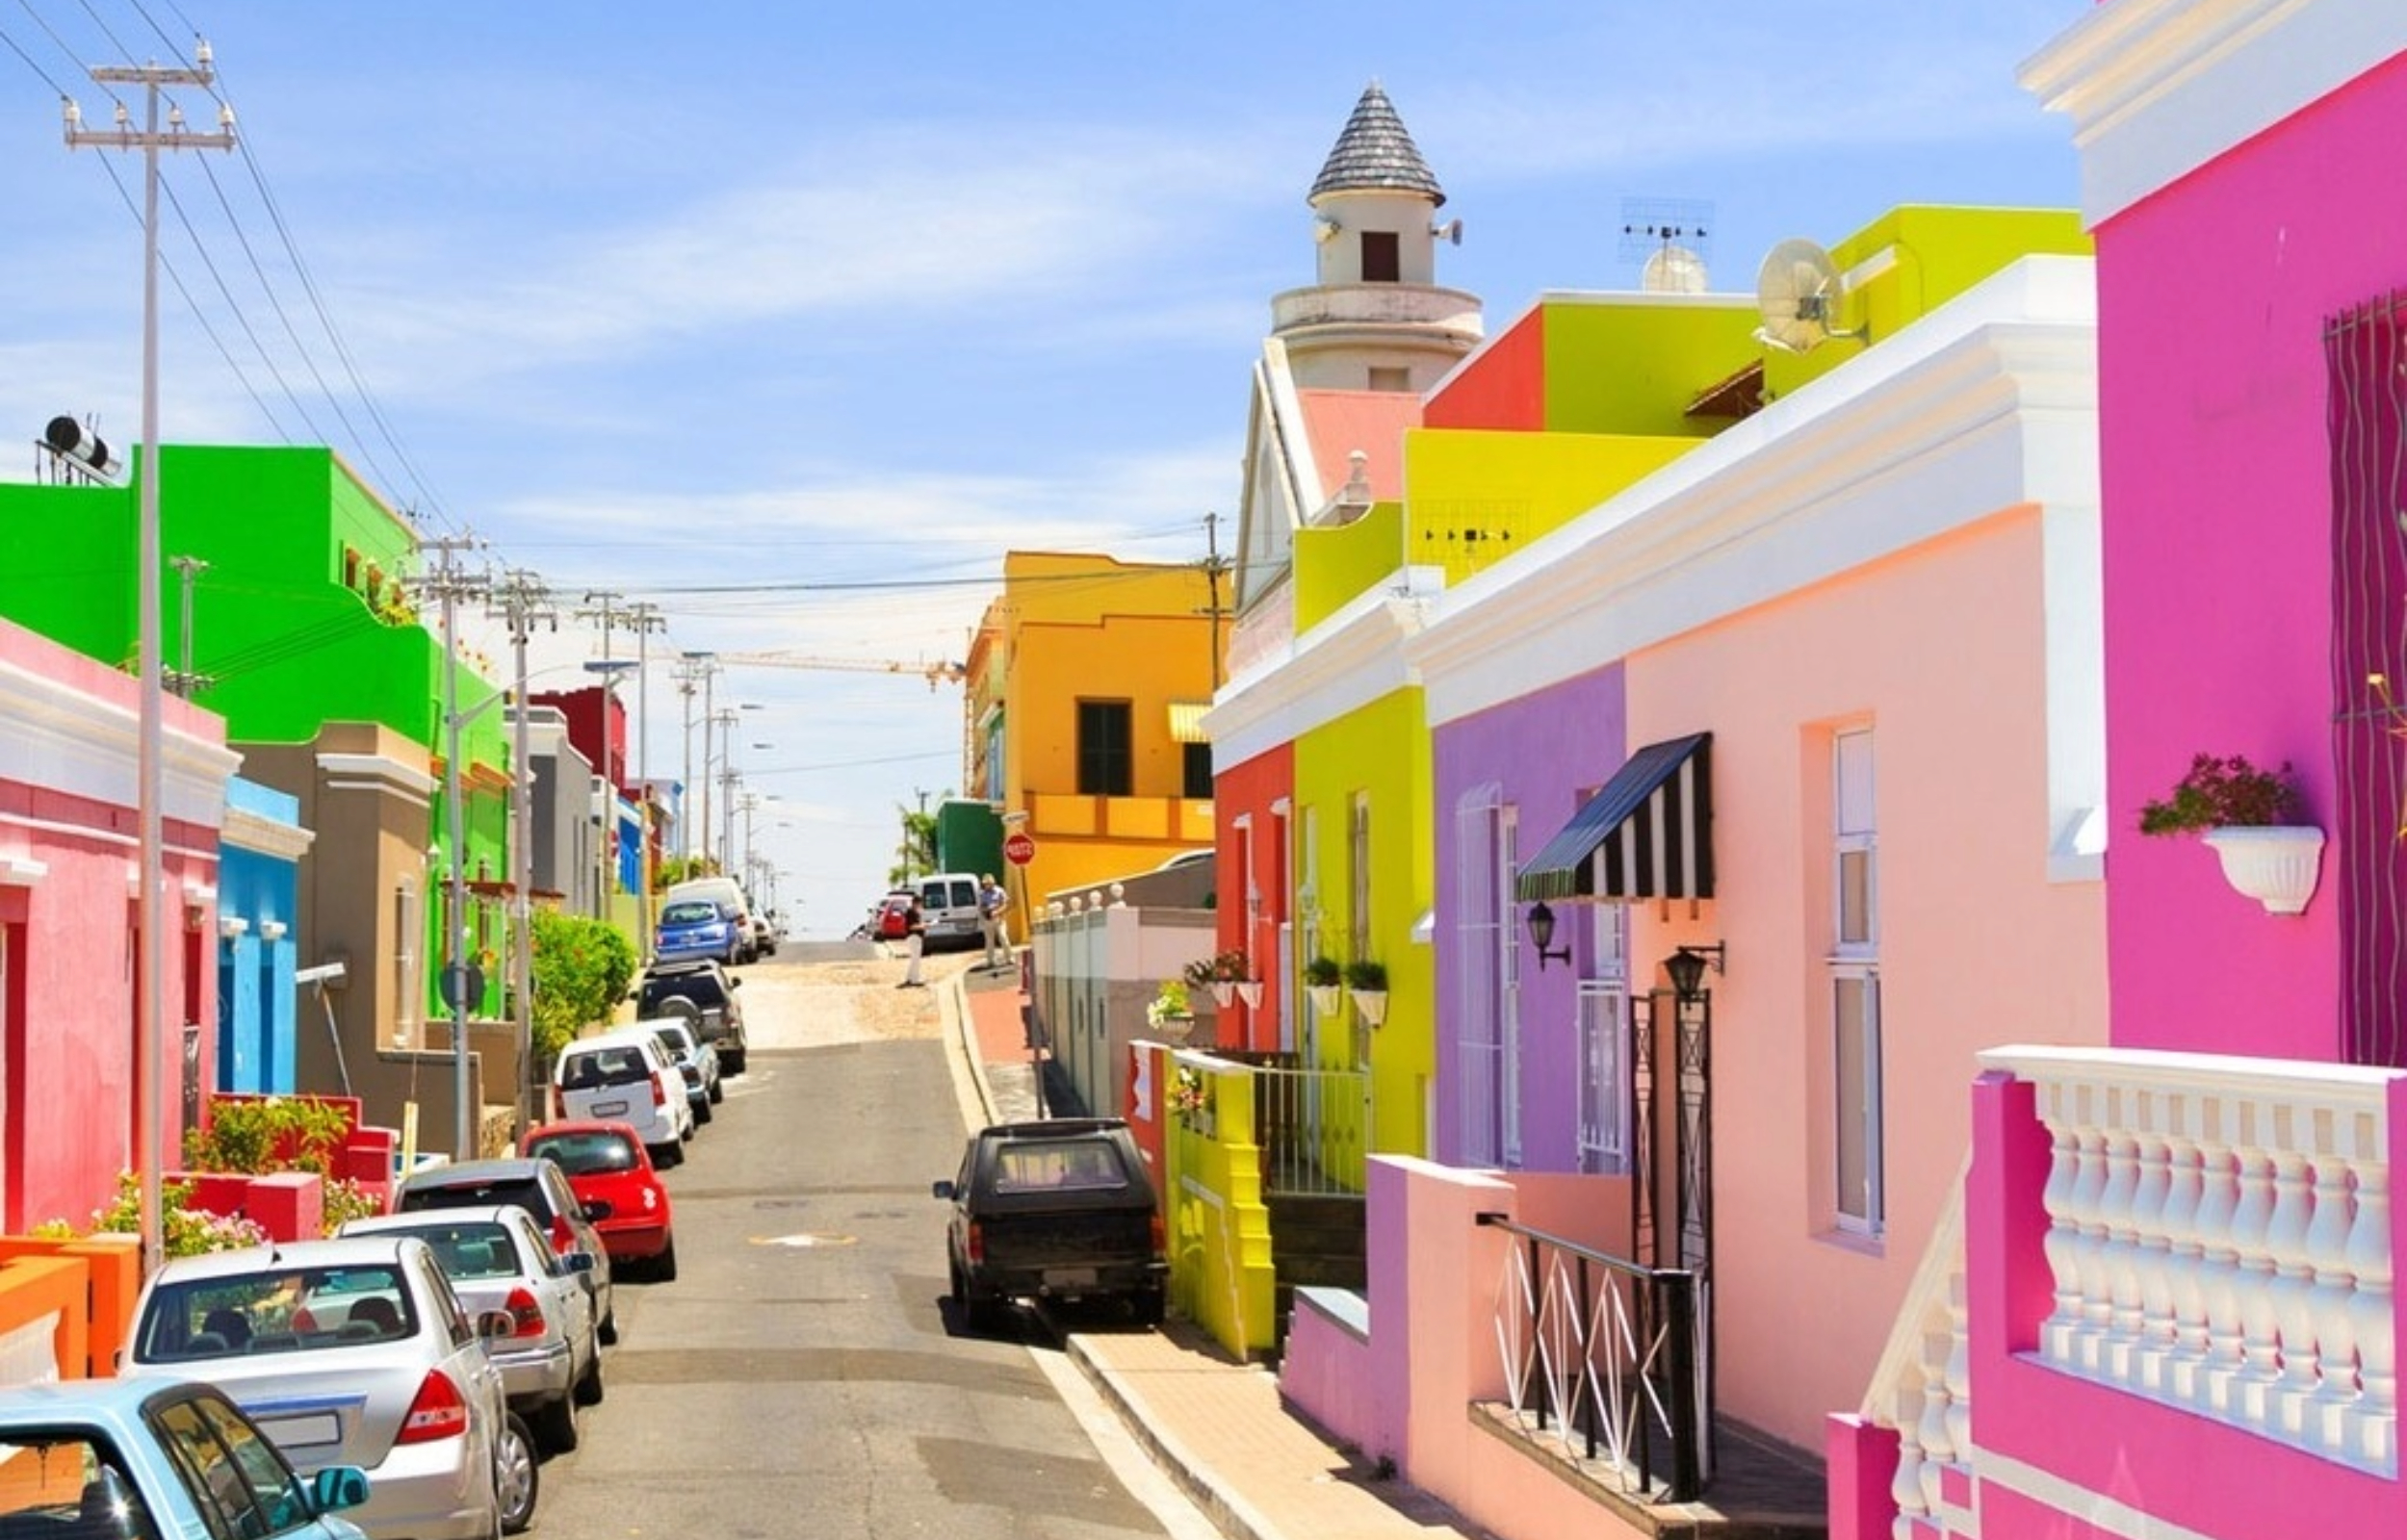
1374	153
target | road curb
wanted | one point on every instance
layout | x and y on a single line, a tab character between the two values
1229	1513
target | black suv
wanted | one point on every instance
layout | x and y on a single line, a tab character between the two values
704	992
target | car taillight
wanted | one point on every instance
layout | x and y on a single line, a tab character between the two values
560	1106
660	1093
976	1243
563	1235
526	1312
438	1411
1160	1237
303	1321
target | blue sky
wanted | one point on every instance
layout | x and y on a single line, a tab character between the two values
843	301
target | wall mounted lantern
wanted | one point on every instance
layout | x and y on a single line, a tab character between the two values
1541	923
1687	967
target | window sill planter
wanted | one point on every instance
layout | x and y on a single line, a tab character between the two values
1174	1029
1371	1005
2277	866
1224	990
1324	998
1250	990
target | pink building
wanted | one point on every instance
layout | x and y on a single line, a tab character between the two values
2174	1309
69	870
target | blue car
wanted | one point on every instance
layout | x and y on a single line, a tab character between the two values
698	928
157	1457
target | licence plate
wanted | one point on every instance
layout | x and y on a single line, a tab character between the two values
608	1108
304	1433
1069	1277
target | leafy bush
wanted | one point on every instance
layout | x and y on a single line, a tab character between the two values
271	1134
581	968
183	1231
2223	793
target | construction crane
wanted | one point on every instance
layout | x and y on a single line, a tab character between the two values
934	673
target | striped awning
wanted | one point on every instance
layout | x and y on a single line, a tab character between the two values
1648	834
1186	721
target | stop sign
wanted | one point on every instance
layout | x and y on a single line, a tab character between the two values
1020	849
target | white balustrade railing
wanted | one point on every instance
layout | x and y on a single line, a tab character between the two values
2219	1233
1923	1385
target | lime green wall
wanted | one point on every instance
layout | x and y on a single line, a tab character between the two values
1479	497
1634	368
1940	253
1381	753
1334	563
1220	1275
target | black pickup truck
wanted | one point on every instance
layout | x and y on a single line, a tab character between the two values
1058	1209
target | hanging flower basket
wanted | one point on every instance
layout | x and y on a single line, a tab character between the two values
1224	990
2275	864
1174	1029
1250	990
1325	997
1371	1005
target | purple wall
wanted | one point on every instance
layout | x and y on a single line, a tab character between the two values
1546	749
2213	294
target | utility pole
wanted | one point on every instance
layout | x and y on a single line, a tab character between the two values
708	675
183	681
644	618
693	670
1213	567
727	719
524	601
450	584
151	1018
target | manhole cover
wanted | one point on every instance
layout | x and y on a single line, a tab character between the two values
803	1242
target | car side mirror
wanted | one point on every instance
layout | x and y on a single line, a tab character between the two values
495	1324
734	983
338	1487
598	1209
943	1190
578	1262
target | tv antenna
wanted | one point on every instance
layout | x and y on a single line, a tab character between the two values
1669	240
1798	290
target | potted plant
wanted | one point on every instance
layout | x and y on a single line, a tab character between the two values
1170	1014
1322	979
1191	1097
1367	982
2251	818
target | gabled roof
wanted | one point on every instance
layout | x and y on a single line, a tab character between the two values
1338	423
1374	153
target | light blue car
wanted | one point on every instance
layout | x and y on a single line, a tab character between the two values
150	1459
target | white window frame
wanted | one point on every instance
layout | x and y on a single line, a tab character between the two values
1853	966
1600	1036
1488	1021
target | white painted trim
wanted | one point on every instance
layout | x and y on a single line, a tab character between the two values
2092	1509
21	871
2157	88
1988	403
68	740
375	771
1344	663
231	926
272	930
244	829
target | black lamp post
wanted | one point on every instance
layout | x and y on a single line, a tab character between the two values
1687	967
1541	923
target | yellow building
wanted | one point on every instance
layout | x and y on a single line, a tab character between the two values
1087	681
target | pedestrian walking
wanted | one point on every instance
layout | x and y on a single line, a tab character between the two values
914	942
993	904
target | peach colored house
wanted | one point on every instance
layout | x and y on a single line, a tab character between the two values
1819	696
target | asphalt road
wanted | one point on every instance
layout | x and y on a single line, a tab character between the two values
801	1376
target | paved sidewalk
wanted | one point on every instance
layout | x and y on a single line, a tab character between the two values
1215	1425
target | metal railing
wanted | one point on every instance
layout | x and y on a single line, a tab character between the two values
1314	1130
1606	1357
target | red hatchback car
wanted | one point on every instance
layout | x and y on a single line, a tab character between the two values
606	1163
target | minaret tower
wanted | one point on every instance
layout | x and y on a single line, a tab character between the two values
1376	317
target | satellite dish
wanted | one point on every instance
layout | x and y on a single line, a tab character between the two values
1450	232
1674	271
1799	292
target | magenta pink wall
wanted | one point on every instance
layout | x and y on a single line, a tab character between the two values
2163	1460
2212	296
1252	788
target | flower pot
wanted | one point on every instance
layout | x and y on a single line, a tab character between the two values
1325	997
2276	865
1250	990
1224	990
1371	1005
1174	1029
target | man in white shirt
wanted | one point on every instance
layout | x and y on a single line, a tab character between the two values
993	903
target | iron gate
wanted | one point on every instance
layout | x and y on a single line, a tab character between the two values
1671	1147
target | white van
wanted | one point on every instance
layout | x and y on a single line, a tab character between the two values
623	1077
729	893
948	901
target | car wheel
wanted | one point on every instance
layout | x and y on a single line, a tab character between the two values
731	1063
978	1314
606	1334
718	1091
515	1477
665	1266
1149	1306
588	1388
702	1113
556	1426
665	1156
